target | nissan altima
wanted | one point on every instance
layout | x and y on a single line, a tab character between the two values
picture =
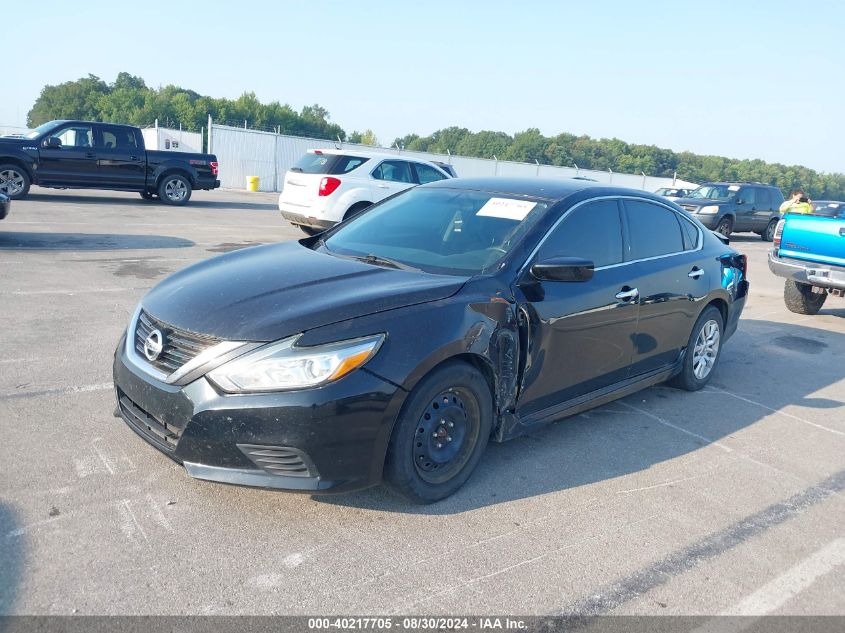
392	347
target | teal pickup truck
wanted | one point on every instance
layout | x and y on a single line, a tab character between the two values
809	250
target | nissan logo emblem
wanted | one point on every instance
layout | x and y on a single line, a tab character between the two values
153	345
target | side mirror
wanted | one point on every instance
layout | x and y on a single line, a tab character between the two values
563	269
53	142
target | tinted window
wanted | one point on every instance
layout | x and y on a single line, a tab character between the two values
764	198
331	164
748	195
427	174
118	138
75	136
653	230
690	234
592	231
393	170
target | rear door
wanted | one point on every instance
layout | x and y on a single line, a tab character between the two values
121	162
765	208
669	273
72	164
580	334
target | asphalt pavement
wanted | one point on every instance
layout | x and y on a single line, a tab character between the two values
728	500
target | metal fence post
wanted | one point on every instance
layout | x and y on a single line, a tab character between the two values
210	135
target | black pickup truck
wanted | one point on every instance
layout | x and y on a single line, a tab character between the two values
85	155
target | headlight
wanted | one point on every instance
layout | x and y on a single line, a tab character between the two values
283	366
709	210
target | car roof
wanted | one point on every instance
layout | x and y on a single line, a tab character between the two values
367	154
547	188
738	182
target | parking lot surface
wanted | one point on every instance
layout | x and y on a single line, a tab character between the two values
727	500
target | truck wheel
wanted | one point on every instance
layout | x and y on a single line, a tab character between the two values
801	299
769	234
147	195
174	189
14	181
725	227
440	434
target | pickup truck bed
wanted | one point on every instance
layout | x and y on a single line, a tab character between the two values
90	155
809	251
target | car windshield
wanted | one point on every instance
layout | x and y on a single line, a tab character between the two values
41	129
829	208
714	192
438	230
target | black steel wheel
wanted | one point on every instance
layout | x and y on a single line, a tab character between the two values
440	434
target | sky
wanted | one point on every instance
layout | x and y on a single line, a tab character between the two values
742	79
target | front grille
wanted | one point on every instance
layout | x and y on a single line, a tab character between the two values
179	346
165	436
279	460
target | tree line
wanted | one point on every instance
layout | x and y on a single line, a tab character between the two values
129	100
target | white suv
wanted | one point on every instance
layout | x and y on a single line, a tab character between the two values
327	186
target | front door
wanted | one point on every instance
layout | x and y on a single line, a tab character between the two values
579	334
73	162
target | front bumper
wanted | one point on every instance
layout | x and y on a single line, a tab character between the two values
709	220
813	273
331	438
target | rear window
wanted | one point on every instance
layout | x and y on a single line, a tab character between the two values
331	164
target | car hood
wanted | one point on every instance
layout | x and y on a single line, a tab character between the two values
269	292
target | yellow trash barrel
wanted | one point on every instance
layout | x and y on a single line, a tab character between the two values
252	183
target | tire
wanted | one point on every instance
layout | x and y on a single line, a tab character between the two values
355	209
309	230
801	299
440	434
769	233
147	195
14	181
174	189
703	351
725	227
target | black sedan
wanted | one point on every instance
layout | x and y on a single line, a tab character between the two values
393	346
5	203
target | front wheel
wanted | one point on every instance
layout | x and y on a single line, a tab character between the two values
725	227
769	233
14	181
801	299
174	189
703	350
440	434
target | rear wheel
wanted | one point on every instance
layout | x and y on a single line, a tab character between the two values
725	227
14	181
174	189
769	234
801	299
440	434
703	350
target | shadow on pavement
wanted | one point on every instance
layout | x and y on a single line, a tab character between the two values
614	441
135	199
87	241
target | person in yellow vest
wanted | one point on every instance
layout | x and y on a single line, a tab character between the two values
796	203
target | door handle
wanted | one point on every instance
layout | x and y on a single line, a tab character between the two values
842	231
90	155
695	273
628	295
133	158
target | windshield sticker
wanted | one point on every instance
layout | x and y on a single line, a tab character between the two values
733	187
833	206
506	208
